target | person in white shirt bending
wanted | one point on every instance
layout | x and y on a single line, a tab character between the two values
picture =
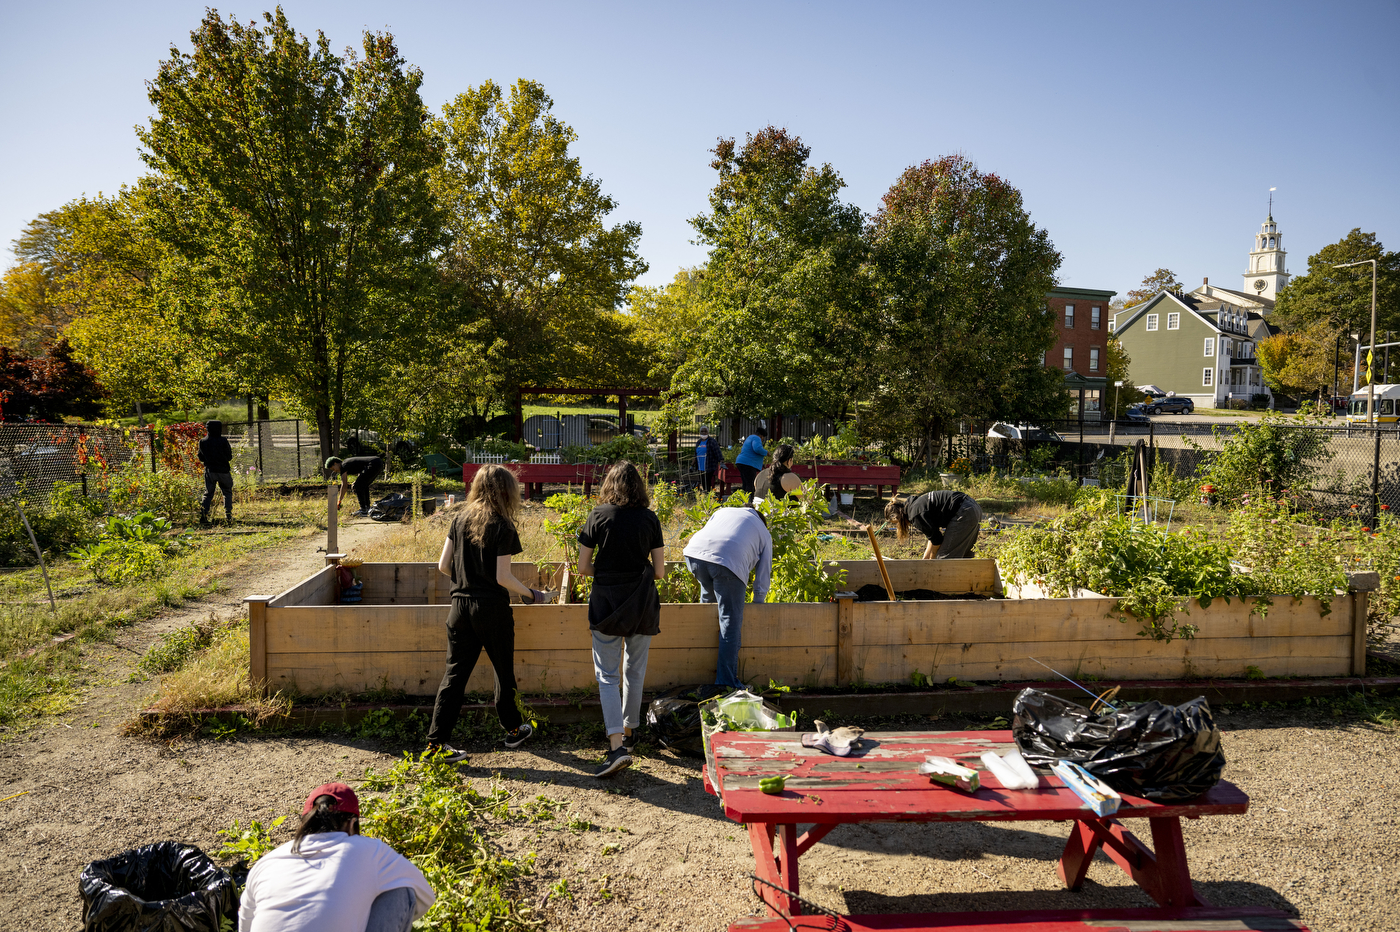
733	543
331	877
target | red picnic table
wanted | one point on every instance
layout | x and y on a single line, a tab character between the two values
838	476
883	785
534	475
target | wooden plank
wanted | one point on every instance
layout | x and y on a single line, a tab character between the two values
1081	620
950	576
1360	606
1145	659
845	641
257	638
316	589
398	583
536	671
1139	919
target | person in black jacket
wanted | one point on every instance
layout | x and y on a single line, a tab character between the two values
622	548
365	469
779	479
217	457
950	520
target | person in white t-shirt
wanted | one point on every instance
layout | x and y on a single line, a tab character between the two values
331	877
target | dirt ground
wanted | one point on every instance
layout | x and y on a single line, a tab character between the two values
1321	839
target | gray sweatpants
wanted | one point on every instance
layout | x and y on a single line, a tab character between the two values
961	533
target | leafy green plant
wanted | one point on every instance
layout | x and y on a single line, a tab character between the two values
250	843
130	548
134	488
1378	549
572	510
799	572
1276	452
173	650
499	446
1282	556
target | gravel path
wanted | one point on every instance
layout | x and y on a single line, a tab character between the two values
1321	838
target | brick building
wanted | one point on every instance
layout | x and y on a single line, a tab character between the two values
1081	344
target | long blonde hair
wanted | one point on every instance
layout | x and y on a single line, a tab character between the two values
495	493
895	511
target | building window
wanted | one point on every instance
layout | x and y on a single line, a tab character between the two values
1207	377
1111	324
1069	316
1069	358
1174	321
1230	349
1094	314
1210	346
1151	321
1042	357
1094	359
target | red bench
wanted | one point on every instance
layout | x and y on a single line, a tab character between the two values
534	475
1191	919
839	476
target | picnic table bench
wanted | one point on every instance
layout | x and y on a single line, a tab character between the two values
839	476
883	785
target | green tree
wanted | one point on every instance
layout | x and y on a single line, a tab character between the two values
531	256
29	315
668	321
1343	296
293	186
1116	370
962	275
1158	281
785	328
1301	362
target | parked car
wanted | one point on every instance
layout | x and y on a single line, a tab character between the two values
1021	432
1134	413
1175	404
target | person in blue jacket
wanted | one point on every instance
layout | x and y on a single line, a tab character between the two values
707	459
751	457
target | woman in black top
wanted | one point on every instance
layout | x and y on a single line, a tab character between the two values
621	547
950	520
779	479
477	556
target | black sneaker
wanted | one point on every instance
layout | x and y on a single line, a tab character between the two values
629	742
619	759
445	753
516	737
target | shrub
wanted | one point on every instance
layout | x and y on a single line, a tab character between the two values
1273	453
66	521
795	522
129	549
134	488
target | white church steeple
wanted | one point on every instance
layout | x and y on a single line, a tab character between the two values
1267	271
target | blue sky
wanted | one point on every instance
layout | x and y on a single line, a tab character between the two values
1140	135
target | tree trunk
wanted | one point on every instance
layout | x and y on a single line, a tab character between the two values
929	446
325	431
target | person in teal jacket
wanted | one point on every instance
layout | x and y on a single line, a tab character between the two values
751	457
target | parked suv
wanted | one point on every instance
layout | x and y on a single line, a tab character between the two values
1176	405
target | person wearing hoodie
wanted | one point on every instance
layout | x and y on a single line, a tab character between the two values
217	457
329	876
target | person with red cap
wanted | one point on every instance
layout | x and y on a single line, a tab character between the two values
331	877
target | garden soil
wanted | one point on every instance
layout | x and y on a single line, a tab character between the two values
1321	839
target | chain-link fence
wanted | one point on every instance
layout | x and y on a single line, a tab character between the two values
283	449
34	457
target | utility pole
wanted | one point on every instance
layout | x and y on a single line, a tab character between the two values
1371	388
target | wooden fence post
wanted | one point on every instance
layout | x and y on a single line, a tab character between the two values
257	640
845	638
332	520
1361	586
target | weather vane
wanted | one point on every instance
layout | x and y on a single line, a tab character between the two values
1271	201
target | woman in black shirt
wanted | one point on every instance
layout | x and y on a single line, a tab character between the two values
779	479
622	548
477	556
950	520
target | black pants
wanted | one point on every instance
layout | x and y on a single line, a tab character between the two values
363	482
224	482
747	474
707	480
471	625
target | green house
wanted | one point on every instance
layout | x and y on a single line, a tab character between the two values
1198	347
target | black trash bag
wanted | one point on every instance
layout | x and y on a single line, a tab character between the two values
390	508
1161	752
165	887
673	718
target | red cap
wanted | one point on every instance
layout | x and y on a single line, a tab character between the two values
345	798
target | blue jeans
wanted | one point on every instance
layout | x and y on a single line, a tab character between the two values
621	709
392	911
719	585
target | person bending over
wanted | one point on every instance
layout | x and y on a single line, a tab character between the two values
476	555
365	469
622	548
217	457
331	877
950	520
733	543
751	457
779	479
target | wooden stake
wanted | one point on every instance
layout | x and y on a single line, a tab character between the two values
879	559
332	521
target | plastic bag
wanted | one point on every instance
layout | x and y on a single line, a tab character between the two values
390	508
1161	752
165	887
673	719
739	710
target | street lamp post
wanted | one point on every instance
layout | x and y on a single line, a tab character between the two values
1113	420
1371	388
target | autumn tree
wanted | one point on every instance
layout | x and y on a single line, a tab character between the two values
47	387
532	260
292	185
1302	362
1342	297
1116	370
1159	281
785	306
962	275
28	314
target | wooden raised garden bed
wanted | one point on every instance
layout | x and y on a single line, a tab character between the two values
304	640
